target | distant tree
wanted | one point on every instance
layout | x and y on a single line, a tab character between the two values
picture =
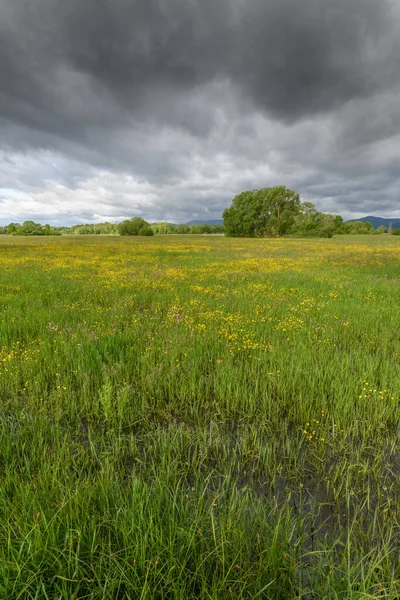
146	230
311	223
135	226
196	229
106	228
181	228
357	227
48	230
84	230
390	228
12	228
217	228
396	232
379	230
163	228
338	222
95	229
307	220
260	213
30	228
66	230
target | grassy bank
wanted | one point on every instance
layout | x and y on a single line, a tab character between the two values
192	417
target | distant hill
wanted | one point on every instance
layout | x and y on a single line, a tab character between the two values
209	222
378	221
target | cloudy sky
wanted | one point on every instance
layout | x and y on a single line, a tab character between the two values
168	108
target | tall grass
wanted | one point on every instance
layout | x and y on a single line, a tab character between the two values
189	417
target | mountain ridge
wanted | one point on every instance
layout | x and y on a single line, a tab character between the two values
204	222
378	221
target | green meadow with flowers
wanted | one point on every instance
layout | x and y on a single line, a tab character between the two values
197	417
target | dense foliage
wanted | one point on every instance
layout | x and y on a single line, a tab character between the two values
165	228
161	228
135	226
95	229
261	213
277	211
29	228
309	222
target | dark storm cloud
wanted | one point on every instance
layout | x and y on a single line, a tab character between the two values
191	101
64	65
310	56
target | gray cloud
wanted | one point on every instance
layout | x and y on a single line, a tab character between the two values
186	103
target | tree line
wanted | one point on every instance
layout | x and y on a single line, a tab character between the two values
267	212
135	226
29	228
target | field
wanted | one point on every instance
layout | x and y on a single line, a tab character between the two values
193	417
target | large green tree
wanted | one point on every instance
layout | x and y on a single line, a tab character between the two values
259	213
135	226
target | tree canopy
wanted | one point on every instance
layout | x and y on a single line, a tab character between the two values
135	226
29	228
278	211
259	213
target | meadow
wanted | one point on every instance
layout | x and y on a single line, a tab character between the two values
197	417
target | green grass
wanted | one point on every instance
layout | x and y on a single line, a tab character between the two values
192	417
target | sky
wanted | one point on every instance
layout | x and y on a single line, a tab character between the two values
166	109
